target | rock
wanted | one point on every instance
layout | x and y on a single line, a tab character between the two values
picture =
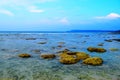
42	42
61	43
108	40
92	49
60	46
30	38
114	49
116	40
68	60
24	55
72	57
36	51
101	44
4	49
82	55
73	47
48	56
93	61
64	51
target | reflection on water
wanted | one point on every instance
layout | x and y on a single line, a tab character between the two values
13	67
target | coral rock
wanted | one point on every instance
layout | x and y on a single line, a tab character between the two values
48	56
72	57
24	55
82	55
68	60
93	61
92	49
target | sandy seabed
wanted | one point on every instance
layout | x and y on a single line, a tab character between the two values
12	67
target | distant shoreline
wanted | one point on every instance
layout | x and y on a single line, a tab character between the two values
71	31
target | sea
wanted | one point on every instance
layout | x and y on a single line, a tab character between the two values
13	67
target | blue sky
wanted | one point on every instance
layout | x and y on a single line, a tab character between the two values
59	15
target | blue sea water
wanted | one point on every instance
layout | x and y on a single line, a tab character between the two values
13	67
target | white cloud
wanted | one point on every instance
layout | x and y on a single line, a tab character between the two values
109	16
37	11
64	21
34	9
6	12
22	2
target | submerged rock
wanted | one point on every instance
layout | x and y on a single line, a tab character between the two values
100	44
36	51
93	61
61	43
64	51
114	49
44	42
93	49
30	38
60	46
116	40
24	55
108	40
4	49
48	56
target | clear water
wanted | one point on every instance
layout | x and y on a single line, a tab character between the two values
13	67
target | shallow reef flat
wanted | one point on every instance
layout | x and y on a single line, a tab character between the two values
60	56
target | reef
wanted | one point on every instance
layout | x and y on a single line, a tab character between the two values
93	49
93	61
24	55
48	56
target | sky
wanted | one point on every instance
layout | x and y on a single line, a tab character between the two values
59	15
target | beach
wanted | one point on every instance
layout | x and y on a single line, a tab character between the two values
13	67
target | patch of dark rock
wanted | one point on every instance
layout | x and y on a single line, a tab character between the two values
30	38
109	40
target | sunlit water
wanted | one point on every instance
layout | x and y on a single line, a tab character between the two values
13	67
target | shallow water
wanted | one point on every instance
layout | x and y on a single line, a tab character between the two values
13	67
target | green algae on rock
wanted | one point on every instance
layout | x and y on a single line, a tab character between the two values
93	49
93	61
48	56
24	55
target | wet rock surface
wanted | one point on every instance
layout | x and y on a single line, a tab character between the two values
93	61
24	55
93	49
48	56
